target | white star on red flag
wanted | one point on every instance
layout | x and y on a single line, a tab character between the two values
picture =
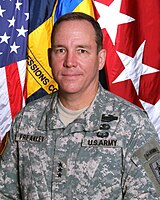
111	17
134	68
131	32
153	112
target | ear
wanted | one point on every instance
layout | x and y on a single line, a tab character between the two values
101	58
49	56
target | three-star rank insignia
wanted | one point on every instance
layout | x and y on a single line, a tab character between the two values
60	169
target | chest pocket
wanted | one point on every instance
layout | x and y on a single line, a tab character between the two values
91	171
101	170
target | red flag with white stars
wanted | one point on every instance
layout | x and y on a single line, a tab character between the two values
132	38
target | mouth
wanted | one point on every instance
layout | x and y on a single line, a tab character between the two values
71	77
71	74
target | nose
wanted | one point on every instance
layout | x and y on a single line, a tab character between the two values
70	59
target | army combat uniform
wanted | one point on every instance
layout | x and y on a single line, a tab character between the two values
99	156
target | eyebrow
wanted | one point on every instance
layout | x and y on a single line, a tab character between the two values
78	46
84	46
55	46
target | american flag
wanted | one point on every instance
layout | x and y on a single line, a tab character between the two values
13	43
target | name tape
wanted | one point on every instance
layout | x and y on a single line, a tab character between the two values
30	138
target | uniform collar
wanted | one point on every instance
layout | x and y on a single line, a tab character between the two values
50	119
89	120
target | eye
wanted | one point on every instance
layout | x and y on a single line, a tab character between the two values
82	51
59	50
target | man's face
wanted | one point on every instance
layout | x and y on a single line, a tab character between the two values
74	59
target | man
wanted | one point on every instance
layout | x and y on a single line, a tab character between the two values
81	143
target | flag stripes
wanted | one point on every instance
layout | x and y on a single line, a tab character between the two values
11	93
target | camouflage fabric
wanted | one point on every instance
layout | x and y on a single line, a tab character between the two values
90	159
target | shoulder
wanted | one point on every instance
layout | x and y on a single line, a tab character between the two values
129	114
118	103
35	109
131	117
39	104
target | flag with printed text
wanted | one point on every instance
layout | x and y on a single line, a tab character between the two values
14	17
132	38
39	78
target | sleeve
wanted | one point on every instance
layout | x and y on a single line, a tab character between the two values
9	178
148	156
139	178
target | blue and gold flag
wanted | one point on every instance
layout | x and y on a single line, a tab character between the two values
39	78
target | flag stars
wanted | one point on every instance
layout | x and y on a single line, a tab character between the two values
14	48
27	16
18	4
21	31
4	38
11	22
153	113
134	68
110	17
1	11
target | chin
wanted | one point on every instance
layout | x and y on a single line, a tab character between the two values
69	90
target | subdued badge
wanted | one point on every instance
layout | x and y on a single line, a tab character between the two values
155	166
149	157
108	125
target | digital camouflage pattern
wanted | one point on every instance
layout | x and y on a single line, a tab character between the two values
90	159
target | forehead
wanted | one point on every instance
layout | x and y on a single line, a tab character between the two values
75	27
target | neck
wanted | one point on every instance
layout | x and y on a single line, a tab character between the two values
74	101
